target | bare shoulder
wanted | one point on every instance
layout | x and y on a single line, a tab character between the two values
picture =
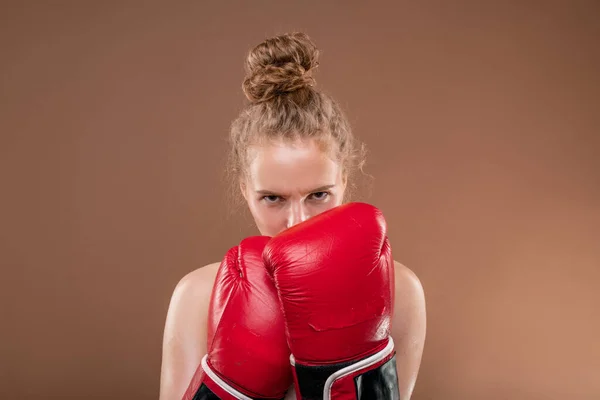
190	299
406	280
409	302
409	326
196	283
188	308
185	333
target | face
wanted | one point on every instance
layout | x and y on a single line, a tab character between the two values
287	183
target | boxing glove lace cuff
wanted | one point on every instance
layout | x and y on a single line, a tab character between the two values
317	381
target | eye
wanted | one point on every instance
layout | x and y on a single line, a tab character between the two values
320	195
271	199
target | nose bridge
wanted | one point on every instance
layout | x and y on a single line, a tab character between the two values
297	213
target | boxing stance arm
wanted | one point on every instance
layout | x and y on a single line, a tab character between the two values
408	328
186	323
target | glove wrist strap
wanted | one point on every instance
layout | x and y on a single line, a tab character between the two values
373	377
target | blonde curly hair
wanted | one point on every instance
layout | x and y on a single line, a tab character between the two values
284	104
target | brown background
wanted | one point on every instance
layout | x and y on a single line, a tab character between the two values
482	120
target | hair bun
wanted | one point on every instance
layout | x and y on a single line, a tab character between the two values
281	64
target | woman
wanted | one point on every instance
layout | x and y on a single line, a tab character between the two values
292	157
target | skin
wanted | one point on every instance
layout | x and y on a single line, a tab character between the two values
286	183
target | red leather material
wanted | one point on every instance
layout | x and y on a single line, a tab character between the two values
335	277
246	333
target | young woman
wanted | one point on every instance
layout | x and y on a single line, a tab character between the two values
293	156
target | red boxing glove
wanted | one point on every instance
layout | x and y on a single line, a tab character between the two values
335	278
248	356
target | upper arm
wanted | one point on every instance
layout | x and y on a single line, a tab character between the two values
408	327
185	333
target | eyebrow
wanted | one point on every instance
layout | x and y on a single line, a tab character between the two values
319	189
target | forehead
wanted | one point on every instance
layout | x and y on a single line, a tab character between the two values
290	166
